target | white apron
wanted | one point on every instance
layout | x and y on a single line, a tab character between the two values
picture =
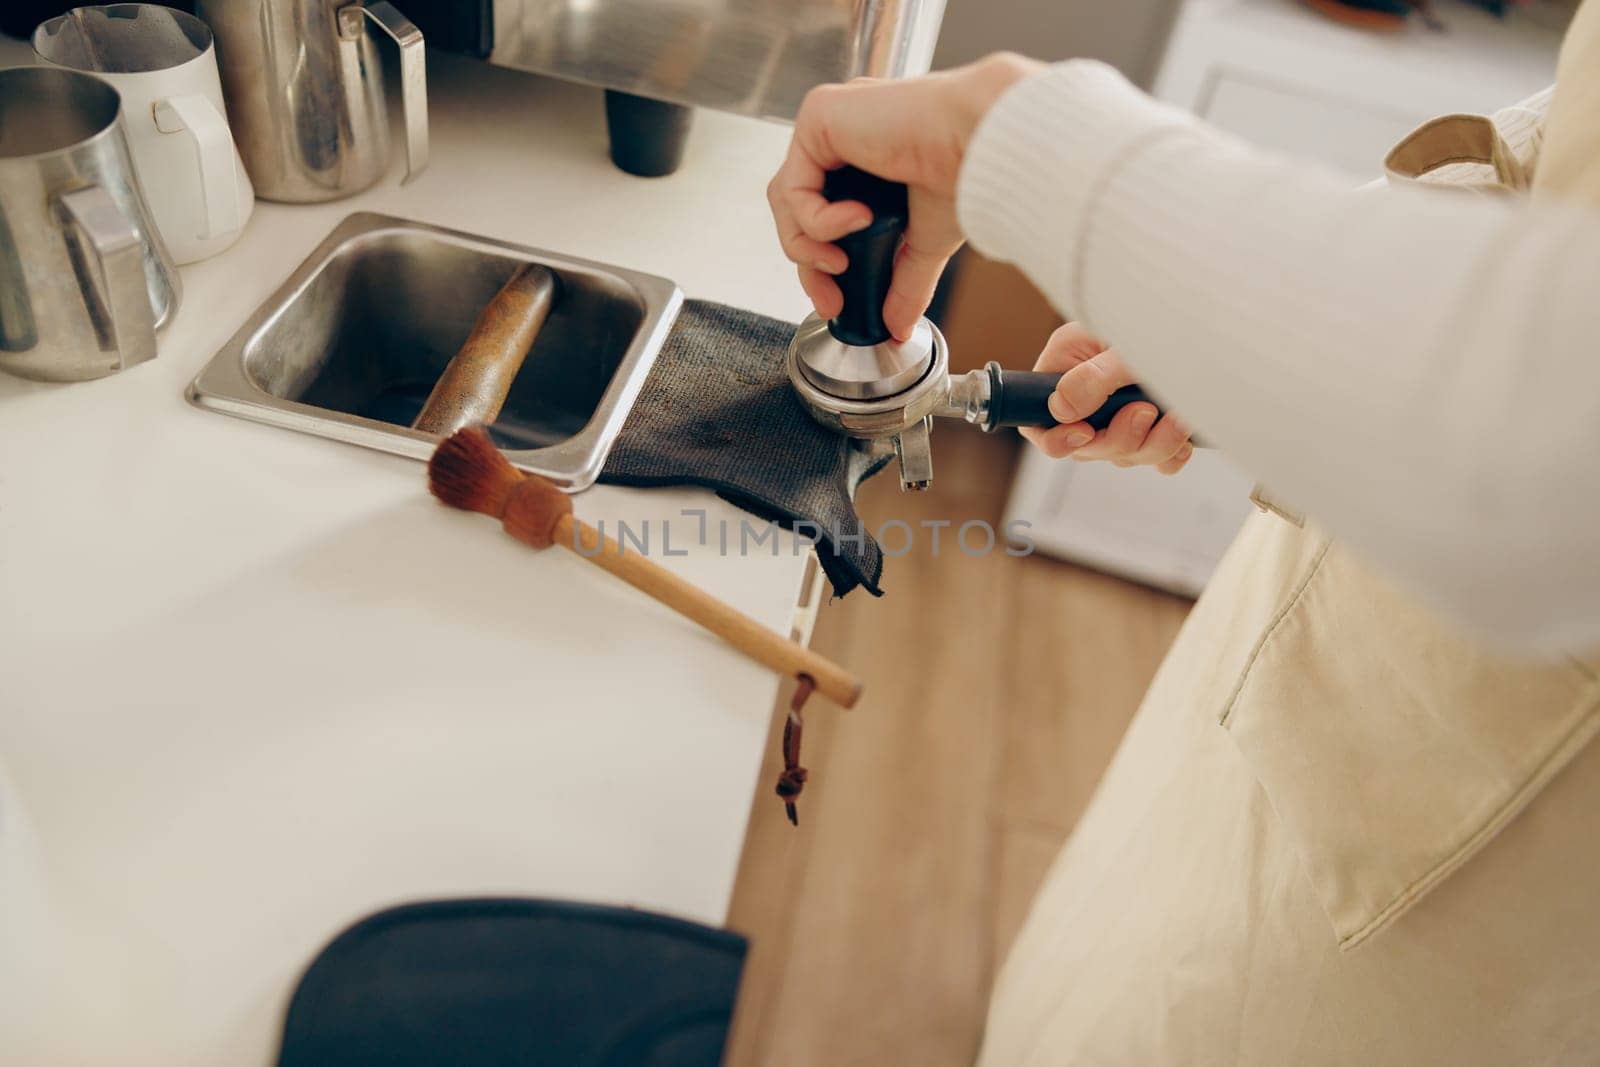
1337	832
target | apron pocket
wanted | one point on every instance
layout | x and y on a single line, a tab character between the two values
1392	748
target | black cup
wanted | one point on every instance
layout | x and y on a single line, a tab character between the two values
647	136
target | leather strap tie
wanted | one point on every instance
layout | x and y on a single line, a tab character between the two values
793	778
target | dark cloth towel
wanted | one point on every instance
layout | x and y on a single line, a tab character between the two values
718	411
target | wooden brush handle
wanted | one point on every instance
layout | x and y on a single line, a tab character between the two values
474	385
468	472
787	657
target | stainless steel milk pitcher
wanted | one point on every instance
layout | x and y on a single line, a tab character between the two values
85	281
305	94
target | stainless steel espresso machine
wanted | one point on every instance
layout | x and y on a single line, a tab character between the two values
658	58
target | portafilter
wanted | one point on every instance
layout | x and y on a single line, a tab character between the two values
855	378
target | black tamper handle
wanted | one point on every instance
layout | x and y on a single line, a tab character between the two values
865	282
1020	398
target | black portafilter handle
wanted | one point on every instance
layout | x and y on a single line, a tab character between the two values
865	282
1021	398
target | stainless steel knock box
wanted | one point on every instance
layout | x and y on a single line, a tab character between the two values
349	347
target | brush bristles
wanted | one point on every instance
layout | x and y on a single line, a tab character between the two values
468	472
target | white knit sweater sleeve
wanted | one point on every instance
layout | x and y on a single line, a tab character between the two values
1418	370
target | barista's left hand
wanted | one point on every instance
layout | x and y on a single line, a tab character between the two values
1139	436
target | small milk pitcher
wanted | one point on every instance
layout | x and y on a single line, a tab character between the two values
306	95
85	281
165	66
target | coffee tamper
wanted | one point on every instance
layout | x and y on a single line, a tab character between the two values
855	378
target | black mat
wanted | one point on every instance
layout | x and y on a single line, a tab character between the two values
516	983
717	411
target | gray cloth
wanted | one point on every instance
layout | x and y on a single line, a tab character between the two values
717	411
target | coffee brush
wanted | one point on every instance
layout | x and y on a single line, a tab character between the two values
468	472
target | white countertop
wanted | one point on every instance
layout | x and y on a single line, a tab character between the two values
255	685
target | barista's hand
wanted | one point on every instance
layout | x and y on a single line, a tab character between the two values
911	130
1135	438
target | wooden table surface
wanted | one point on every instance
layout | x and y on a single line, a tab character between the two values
997	691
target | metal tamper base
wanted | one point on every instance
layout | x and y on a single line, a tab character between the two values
886	391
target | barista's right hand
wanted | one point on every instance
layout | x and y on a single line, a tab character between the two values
1138	436
911	130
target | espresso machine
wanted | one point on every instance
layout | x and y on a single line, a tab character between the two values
658	59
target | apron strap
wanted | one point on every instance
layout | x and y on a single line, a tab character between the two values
1457	139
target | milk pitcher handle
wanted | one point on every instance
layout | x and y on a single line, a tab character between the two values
116	257
413	71
195	115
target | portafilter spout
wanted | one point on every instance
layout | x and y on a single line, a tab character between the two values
854	377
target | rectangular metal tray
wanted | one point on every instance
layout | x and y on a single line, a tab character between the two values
350	345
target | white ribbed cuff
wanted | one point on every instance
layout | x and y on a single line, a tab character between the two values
1040	158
